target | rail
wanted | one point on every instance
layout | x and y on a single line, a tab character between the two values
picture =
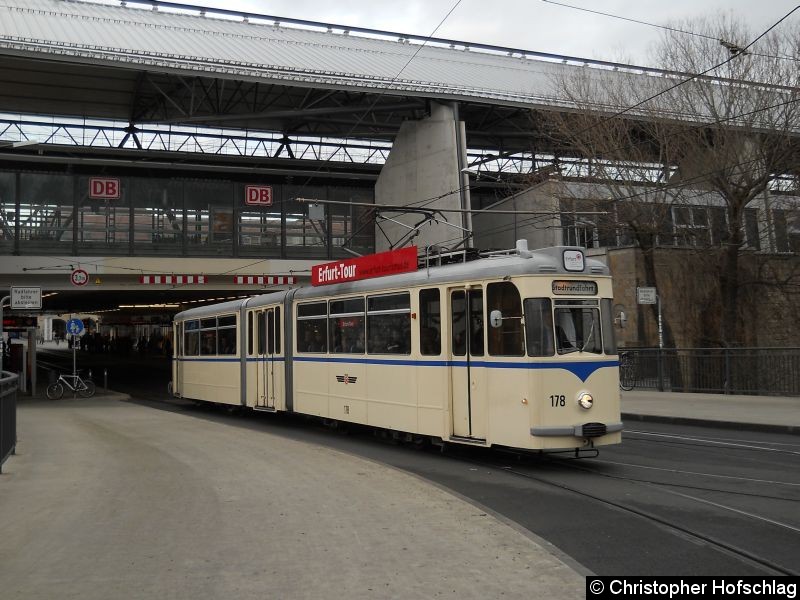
8	415
752	371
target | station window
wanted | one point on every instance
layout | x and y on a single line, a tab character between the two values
347	326
539	327
191	338
389	324
312	327
506	340
430	323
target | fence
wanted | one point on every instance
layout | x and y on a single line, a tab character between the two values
8	416
760	371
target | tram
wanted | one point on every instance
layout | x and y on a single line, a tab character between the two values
514	350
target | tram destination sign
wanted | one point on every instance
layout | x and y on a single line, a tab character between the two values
366	267
574	288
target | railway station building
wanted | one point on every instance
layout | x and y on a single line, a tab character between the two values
174	155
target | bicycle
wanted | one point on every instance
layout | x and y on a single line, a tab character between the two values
627	371
74	383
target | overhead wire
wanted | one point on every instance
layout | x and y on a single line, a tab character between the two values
691	77
665	27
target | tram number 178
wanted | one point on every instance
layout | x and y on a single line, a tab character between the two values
558	401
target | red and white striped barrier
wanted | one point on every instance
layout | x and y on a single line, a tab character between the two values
264	280
171	279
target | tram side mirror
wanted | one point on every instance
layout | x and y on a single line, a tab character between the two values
622	319
495	319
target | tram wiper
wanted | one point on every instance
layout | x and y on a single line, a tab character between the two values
588	339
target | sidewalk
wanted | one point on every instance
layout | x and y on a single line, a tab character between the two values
759	413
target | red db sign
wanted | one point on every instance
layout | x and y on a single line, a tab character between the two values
104	188
258	195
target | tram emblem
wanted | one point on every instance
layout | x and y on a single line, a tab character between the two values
345	379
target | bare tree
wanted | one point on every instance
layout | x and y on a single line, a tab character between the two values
722	122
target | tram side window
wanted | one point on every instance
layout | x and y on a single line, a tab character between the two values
250	333
430	323
609	339
208	337
270	332
226	335
261	324
458	324
506	340
347	326
191	338
277	330
312	321
389	324
539	326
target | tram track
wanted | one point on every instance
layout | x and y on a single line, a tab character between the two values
694	441
684	531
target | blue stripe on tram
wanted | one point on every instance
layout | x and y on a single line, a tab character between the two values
582	370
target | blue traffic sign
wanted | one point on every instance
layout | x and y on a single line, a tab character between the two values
74	327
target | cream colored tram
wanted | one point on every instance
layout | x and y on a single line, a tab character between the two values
516	351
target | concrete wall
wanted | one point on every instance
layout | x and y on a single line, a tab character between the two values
501	231
424	163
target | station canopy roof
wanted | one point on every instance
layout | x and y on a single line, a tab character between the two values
161	63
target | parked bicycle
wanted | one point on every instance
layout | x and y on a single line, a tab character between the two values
627	371
74	383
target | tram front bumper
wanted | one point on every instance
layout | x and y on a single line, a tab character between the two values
584	430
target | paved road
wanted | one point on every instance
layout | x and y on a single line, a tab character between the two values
112	499
672	499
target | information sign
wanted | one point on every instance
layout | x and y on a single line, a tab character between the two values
29	298
646	295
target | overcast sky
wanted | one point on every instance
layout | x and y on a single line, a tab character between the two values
526	24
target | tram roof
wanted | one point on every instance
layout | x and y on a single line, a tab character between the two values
545	261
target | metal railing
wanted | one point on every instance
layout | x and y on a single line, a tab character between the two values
757	371
8	415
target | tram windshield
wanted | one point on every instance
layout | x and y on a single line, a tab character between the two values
577	327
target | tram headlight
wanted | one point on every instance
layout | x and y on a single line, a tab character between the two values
585	400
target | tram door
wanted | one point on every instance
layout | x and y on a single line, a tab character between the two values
177	349
466	353
266	324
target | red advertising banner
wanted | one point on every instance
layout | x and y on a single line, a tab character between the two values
366	267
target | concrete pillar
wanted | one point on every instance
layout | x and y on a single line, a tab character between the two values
46	323
501	231
425	162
